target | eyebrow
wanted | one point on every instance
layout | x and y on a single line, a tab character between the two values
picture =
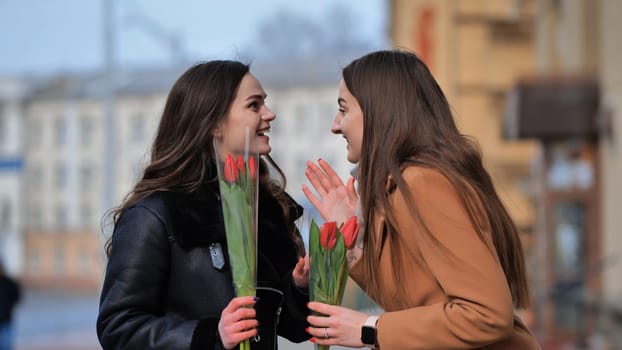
257	97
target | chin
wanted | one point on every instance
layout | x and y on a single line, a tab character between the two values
264	149
353	158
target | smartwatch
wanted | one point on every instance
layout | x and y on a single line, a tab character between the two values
369	334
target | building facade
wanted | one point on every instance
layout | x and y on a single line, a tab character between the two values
12	91
538	83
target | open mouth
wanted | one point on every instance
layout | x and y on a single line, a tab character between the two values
263	132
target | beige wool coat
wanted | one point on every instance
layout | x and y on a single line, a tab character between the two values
458	296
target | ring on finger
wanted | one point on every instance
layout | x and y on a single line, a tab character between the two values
325	333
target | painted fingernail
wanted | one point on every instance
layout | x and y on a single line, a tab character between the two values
312	340
255	298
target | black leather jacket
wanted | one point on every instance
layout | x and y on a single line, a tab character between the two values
162	289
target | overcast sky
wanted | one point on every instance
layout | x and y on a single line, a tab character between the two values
46	36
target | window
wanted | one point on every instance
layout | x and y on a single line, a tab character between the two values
86	131
60	131
568	289
86	178
138	129
34	133
34	177
61	217
61	176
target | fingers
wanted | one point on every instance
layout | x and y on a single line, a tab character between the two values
319	332
310	196
318	179
237	321
301	272
352	195
321	308
239	302
330	174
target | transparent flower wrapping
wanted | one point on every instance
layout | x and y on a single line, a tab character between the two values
238	182
329	268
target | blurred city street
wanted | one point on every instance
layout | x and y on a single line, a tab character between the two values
54	320
60	321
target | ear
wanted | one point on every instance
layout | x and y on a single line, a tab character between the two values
217	133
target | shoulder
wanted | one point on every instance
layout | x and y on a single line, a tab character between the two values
157	203
154	207
425	181
430	191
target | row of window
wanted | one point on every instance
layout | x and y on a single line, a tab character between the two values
86	217
86	177
87	129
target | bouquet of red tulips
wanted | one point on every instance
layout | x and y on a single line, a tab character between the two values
238	182
329	267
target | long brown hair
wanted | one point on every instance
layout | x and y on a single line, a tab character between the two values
399	97
182	156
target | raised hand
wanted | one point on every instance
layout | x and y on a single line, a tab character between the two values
237	321
335	201
301	272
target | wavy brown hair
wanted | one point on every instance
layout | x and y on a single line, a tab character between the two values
407	121
182	155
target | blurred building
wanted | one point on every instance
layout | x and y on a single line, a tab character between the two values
64	152
538	83
12	91
572	105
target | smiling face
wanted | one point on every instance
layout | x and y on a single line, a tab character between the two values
247	111
349	122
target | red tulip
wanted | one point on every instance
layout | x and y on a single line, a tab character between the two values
239	162
252	167
231	172
350	231
328	235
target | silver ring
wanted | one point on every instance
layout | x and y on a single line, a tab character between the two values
325	333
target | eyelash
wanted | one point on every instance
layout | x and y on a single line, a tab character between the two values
254	105
341	110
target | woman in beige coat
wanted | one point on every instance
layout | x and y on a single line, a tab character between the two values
439	252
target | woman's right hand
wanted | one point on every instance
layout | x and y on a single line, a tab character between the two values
237	321
337	202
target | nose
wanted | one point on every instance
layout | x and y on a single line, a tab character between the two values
336	127
268	115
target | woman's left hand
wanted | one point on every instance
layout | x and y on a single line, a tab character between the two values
301	272
338	326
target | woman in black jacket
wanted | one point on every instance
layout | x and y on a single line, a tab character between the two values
168	282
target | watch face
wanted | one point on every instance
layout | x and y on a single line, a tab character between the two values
368	335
